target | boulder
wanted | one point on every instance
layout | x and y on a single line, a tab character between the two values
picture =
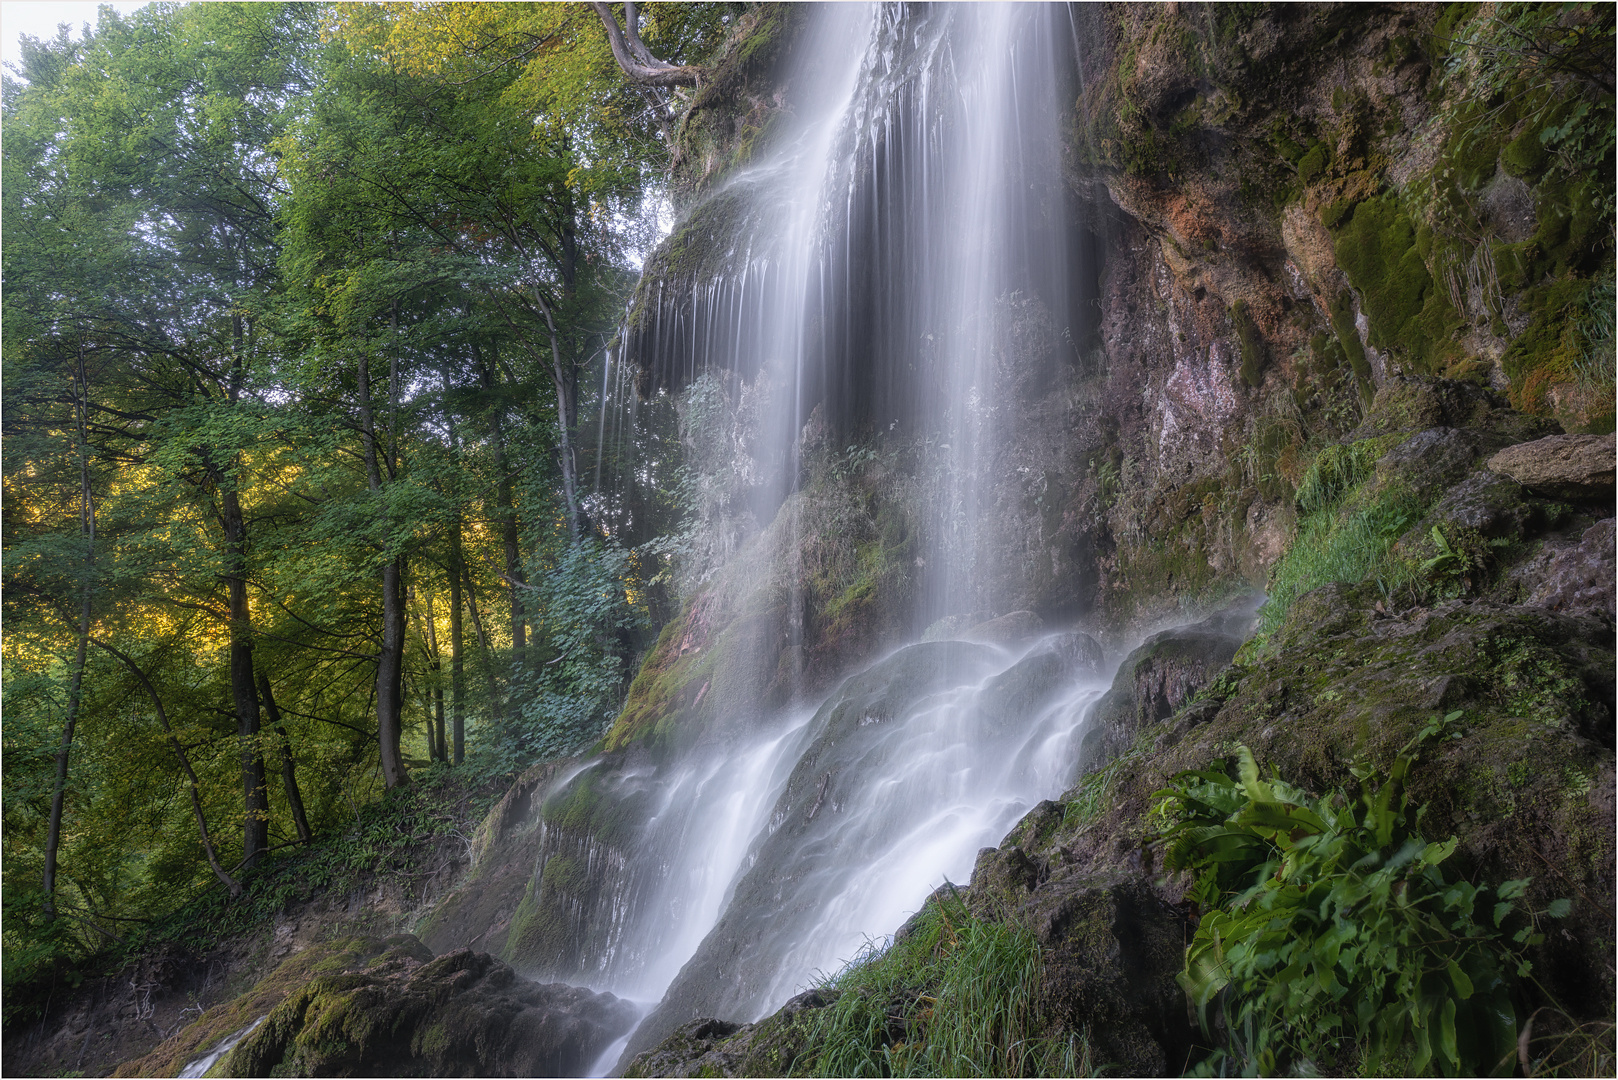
1561	466
1112	948
408	1014
1430	461
704	1047
1081	652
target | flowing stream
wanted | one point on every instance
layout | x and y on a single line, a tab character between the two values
883	264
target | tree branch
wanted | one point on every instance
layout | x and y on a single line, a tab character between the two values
634	58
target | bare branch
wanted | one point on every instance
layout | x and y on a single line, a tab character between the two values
634	58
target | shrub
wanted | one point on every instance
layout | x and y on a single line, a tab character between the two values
1332	939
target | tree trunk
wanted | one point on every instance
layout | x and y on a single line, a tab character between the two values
508	514
243	691
390	661
185	764
457	681
289	775
435	726
87	529
634	58
496	708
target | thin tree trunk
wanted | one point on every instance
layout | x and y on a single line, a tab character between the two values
185	763
243	690
508	516
289	775
457	681
390	661
435	727
564	379
87	529
496	706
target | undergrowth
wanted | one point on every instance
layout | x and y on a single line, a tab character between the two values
954	995
398	836
1333	940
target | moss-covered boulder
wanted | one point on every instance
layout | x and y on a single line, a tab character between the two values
405	1013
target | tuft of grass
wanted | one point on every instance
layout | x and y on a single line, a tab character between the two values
1337	471
1352	546
954	995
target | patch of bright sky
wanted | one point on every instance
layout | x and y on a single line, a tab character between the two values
39	18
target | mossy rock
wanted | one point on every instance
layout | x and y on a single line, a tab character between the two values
1412	403
1408	315
462	1014
219	1022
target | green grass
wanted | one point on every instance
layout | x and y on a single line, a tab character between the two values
1352	545
956	996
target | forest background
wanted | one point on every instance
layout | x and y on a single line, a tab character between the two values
321	511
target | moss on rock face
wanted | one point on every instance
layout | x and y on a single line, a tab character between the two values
1408	316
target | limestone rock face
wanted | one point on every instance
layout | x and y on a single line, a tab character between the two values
408	1014
1563	466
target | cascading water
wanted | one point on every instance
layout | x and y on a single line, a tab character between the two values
877	274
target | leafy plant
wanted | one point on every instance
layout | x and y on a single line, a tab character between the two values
1332	938
588	598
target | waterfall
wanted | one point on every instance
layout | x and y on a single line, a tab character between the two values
905	262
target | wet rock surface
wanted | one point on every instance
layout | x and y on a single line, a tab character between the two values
369	1007
1160	677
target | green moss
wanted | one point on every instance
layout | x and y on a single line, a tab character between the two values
1313	163
1252	344
1407	315
539	926
1334	213
1525	156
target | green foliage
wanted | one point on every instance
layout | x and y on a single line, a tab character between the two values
1333	939
954	995
1563	48
587	607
